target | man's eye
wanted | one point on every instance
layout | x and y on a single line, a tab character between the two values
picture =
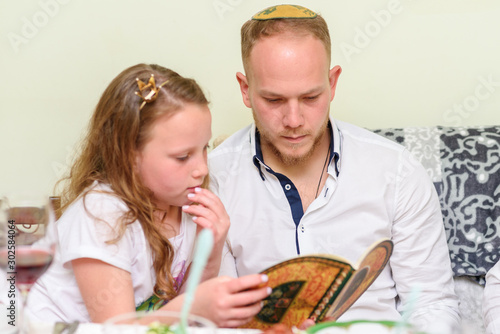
273	100
183	158
312	98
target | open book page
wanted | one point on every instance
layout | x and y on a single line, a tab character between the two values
369	268
319	287
301	286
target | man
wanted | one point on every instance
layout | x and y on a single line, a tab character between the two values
299	182
491	300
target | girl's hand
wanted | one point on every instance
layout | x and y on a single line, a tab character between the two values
230	302
209	212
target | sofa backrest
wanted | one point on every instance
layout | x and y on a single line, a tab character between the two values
464	164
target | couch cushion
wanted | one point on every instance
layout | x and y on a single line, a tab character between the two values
464	164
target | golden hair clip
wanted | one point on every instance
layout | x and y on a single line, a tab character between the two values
143	93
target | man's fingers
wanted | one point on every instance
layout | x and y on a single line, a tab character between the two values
306	324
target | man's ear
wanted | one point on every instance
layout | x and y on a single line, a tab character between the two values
243	81
333	76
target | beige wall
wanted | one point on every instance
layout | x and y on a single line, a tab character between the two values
405	63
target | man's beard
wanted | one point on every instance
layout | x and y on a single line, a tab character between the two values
290	159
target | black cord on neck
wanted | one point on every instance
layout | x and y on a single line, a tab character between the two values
322	171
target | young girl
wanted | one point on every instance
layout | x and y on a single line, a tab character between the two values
132	205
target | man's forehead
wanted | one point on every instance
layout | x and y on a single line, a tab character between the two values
271	53
286	40
278	93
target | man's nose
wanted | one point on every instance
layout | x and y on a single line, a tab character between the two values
293	117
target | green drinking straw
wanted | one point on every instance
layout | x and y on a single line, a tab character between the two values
203	248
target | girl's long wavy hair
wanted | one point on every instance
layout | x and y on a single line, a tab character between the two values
117	130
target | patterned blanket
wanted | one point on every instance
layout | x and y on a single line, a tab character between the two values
464	164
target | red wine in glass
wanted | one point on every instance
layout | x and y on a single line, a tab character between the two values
31	263
26	246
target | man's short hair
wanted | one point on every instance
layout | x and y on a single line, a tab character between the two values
253	30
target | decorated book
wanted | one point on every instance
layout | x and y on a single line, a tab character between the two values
319	287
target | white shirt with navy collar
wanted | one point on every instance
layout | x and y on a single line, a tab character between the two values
374	190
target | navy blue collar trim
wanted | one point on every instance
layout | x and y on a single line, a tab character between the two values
258	160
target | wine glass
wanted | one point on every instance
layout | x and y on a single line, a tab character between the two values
27	245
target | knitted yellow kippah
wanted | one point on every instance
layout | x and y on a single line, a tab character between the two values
284	12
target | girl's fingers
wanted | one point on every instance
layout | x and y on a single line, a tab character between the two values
240	316
208	212
203	217
199	211
250	297
233	323
232	302
203	196
204	223
246	282
208	199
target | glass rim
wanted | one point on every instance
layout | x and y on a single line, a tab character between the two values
160	313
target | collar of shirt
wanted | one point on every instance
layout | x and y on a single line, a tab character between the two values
289	188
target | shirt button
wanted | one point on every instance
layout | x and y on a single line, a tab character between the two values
302	229
288	187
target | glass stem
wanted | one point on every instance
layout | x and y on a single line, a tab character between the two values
23	321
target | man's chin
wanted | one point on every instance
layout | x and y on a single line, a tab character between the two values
293	158
291	154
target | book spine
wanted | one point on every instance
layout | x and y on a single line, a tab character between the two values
319	312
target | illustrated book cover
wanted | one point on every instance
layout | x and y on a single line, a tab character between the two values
320	287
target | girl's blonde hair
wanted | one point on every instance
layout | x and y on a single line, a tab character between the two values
118	129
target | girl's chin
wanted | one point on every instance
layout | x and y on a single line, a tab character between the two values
179	200
167	207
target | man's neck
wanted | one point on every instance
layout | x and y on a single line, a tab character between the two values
308	176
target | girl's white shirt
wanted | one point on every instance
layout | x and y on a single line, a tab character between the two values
82	232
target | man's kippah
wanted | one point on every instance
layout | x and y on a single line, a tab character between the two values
284	12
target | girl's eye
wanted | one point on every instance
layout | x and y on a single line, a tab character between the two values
183	158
